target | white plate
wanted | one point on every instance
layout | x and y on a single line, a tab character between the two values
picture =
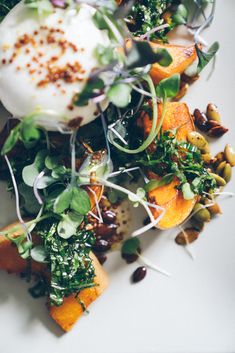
194	310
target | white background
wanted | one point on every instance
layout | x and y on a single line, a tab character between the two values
194	310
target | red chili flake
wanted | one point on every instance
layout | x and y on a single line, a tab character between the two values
54	58
27	50
51	39
18	68
28	65
32	71
4	61
35	33
41	41
70	107
35	59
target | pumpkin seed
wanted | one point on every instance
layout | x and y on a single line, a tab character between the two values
183	90
207	158
217	131
200	120
227	172
196	139
219	158
198	225
201	214
214	208
187	236
219	180
229	154
220	167
206	149
212	112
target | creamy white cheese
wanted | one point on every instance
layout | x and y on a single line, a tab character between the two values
45	61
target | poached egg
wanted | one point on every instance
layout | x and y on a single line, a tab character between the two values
45	61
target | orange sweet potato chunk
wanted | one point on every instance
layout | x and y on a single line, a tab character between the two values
182	57
71	310
167	196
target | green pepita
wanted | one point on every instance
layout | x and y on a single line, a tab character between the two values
201	214
197	140
229	154
207	158
212	113
219	158
198	225
219	180
220	168
227	172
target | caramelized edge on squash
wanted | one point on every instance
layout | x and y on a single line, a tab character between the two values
182	57
167	196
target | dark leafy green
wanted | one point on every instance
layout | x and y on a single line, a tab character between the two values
205	57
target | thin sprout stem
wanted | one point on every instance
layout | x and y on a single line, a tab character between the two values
104	125
97	205
73	156
35	187
153	30
153	132
17	199
141	91
28	224
152	266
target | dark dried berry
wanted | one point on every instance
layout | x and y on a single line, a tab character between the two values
139	274
200	120
101	245
217	131
106	230
130	258
109	217
102	258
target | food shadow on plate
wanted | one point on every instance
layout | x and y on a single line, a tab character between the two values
152	239
14	290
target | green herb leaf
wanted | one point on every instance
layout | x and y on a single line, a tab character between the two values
92	89
154	184
105	55
63	201
187	192
11	141
130	246
120	94
205	58
38	254
31	172
29	132
30	203
68	225
80	201
142	54
52	162
181	15
169	87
